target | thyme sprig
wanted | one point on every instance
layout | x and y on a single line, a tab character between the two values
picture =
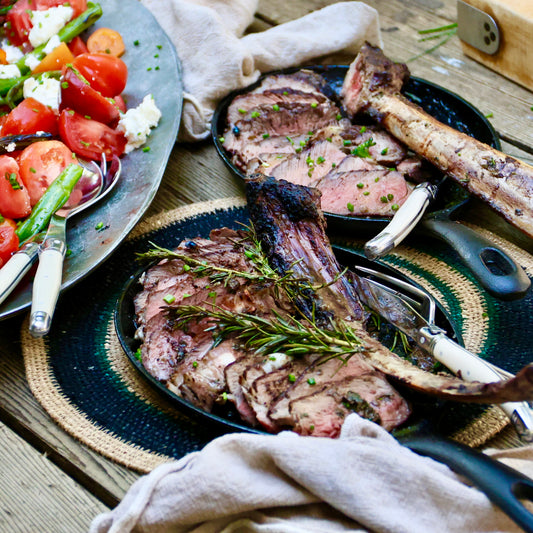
274	334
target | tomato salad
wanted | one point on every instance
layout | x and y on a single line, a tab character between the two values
58	86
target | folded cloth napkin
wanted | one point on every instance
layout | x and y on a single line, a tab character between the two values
363	481
216	58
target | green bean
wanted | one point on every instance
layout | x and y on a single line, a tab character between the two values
54	198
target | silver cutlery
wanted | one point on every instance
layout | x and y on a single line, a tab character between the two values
94	185
48	278
412	311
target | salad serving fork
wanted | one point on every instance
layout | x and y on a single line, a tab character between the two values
95	183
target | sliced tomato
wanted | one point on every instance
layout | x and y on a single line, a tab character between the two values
41	163
77	46
77	94
119	102
78	6
105	73
19	21
14	198
30	116
89	138
9	242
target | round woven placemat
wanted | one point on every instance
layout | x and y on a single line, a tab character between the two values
81	376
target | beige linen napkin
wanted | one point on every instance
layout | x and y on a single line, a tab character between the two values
363	481
216	58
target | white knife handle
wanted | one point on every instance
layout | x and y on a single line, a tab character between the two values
15	269
402	222
46	286
472	368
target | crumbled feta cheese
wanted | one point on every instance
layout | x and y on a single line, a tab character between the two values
45	90
11	147
137	122
52	44
13	53
31	61
47	23
9	71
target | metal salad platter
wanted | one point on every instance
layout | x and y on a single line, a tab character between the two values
153	68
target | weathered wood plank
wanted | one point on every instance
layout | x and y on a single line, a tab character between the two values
21	412
35	495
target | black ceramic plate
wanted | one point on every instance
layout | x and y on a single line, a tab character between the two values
226	416
442	104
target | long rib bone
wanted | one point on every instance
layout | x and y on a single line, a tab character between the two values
373	85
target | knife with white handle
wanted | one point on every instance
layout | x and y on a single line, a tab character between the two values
403	222
391	305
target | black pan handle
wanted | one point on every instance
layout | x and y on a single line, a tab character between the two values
500	275
503	485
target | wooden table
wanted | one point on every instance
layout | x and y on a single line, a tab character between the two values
49	481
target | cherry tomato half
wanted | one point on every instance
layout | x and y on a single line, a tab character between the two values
9	242
19	21
41	163
30	116
89	138
106	73
14	198
77	46
78	95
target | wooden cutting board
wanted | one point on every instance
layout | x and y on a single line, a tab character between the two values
514	35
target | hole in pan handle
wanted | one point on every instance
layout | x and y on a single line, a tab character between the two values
498	273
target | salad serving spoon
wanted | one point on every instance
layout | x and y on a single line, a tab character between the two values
94	184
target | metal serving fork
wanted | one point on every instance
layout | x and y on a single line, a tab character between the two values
412	311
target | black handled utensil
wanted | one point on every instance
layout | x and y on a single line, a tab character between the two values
504	486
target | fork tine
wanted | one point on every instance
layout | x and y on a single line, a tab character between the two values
421	300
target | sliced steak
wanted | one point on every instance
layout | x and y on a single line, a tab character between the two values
310	165
254	105
322	413
314	378
363	192
301	80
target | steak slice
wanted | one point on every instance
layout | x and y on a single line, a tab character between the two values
302	80
249	106
363	192
310	165
314	378
322	413
237	387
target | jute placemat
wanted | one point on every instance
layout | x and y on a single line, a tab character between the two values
81	376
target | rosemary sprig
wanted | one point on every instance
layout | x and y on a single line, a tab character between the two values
264	274
274	334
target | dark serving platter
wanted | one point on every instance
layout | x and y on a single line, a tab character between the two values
444	105
499	274
451	416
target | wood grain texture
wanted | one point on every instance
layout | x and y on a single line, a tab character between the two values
195	173
41	496
21	412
